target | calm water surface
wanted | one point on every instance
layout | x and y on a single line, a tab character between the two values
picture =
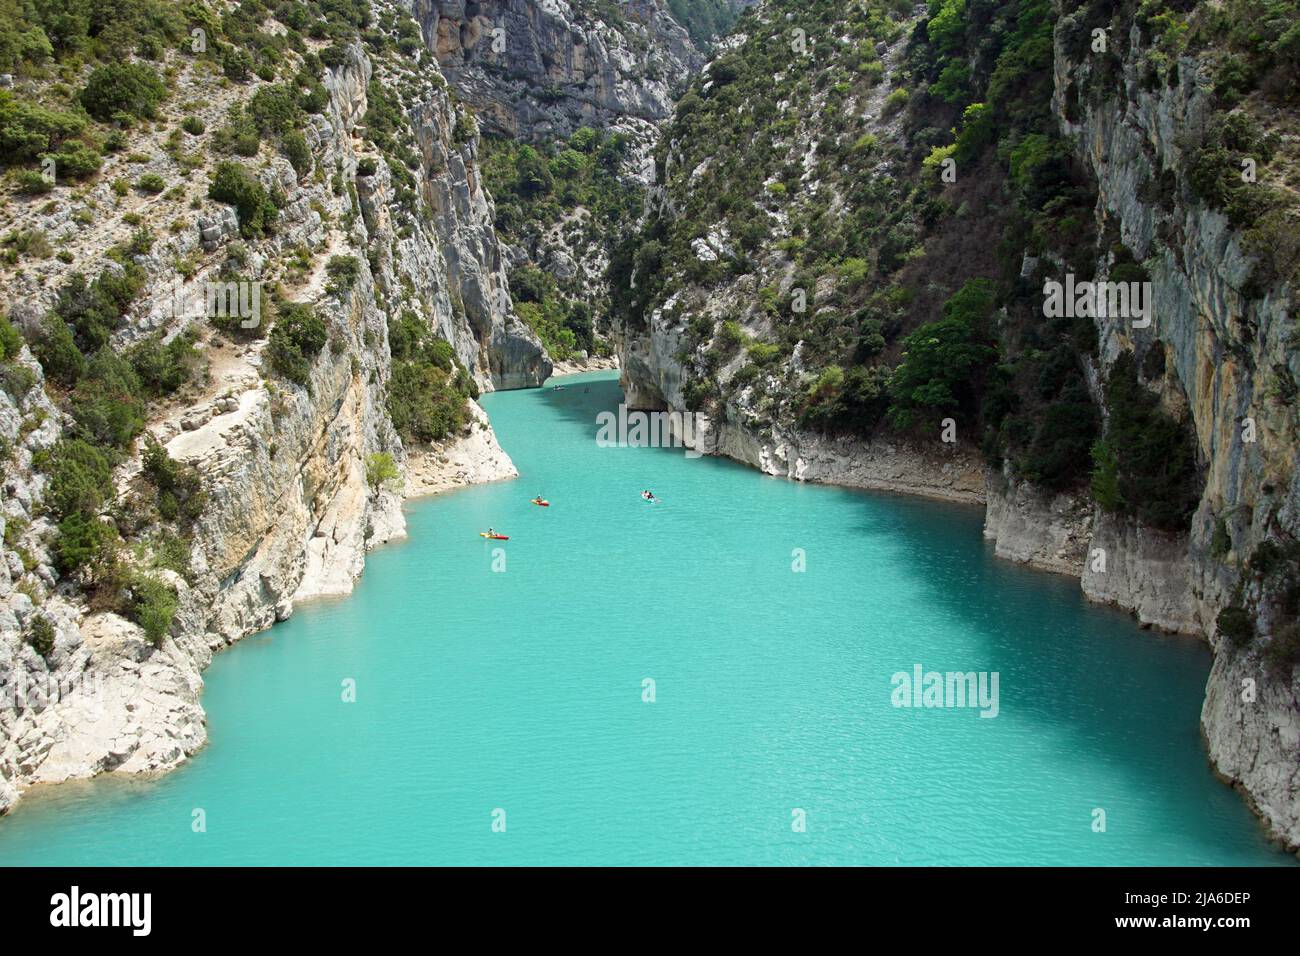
522	690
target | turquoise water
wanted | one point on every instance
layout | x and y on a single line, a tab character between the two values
522	690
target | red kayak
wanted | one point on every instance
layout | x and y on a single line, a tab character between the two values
494	537
540	503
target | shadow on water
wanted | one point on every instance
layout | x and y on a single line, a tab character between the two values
580	399
1014	615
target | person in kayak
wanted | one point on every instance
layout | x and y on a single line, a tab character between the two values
491	533
648	495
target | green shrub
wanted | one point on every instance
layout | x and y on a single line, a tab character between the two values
31	183
466	128
296	150
426	392
275	109
380	469
943	361
946	27
730	339
123	88
94	309
1063	442
233	184
151	183
1235	623
107	403
28	130
1105	477
763	353
11	340
297	338
84	545
180	487
847	403
343	272
894	102
75	161
16	380
424	402
40	634
26	243
80	478
1149	457
193	125
57	351
239	136
152	604
236	64
163	368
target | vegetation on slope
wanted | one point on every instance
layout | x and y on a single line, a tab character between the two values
91	81
571	187
428	389
890	238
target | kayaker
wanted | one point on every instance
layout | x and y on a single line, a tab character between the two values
648	495
491	533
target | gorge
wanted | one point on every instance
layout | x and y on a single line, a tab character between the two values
823	230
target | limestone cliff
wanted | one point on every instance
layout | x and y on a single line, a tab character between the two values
536	74
535	70
290	509
1229	340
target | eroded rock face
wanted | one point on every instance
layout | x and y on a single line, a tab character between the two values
455	259
537	68
1225	347
1031	526
290	515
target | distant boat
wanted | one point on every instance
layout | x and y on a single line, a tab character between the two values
494	537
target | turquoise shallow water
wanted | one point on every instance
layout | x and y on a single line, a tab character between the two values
522	690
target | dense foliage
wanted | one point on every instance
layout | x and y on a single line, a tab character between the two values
428	389
901	290
570	185
1146	464
296	339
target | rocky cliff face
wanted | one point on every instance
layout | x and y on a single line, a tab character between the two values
1228	343
290	512
756	423
542	69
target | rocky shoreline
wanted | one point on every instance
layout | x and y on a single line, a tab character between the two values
473	459
597	363
142	712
